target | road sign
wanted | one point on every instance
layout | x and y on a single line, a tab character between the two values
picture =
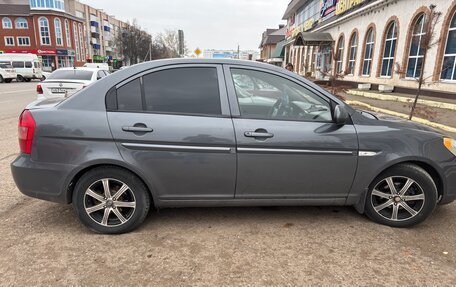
197	51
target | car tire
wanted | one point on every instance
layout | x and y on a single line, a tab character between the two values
43	78
8	80
100	211
401	196
20	78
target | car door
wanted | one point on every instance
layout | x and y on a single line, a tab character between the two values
173	124
287	144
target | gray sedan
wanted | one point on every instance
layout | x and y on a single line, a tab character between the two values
185	132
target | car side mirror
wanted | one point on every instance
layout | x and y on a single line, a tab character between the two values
340	115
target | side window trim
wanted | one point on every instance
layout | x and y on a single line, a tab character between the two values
232	96
224	102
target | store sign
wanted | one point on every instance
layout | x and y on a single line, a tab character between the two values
47	52
327	8
345	5
62	52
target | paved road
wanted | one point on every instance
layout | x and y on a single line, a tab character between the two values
44	244
14	97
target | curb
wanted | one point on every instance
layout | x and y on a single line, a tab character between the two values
429	103
401	115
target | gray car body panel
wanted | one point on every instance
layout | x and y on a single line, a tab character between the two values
78	134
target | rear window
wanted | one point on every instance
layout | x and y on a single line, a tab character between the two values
71	75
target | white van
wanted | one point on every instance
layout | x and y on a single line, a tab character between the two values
27	66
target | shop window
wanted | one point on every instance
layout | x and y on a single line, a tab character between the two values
368	52
352	53
389	50
416	53
340	55
449	58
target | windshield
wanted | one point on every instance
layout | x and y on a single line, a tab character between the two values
71	75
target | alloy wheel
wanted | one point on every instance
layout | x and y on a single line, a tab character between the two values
397	198
109	202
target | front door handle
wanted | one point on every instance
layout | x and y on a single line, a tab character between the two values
258	134
137	129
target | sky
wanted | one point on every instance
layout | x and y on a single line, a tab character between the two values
207	24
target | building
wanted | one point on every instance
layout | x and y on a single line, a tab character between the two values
43	28
231	54
62	32
269	42
373	41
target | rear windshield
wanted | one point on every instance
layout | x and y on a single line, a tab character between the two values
71	75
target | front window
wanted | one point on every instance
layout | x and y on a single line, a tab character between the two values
389	50
45	37
266	96
340	55
6	23
368	52
352	54
416	53
449	59
21	23
58	32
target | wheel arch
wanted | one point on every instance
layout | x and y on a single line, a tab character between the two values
76	175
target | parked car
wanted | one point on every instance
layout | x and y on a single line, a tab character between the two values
65	82
7	73
45	75
103	66
175	133
27	66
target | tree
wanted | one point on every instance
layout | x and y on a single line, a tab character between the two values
426	43
330	72
133	42
169	39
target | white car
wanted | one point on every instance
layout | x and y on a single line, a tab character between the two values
65	82
7	73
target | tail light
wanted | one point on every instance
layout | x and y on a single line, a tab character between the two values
26	131
39	89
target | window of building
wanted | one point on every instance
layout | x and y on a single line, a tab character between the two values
352	53
267	96
81	42
389	50
340	55
21	23
183	90
6	23
67	33
45	37
47	4
129	96
58	32
9	41
368	52
23	41
449	58
416	53
76	41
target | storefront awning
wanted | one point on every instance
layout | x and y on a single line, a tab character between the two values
312	39
278	52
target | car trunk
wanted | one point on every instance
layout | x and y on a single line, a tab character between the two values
62	88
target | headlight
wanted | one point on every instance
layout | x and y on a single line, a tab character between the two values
450	144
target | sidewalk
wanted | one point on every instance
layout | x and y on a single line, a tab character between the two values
437	112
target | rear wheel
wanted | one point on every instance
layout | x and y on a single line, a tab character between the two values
8	80
111	200
402	196
20	78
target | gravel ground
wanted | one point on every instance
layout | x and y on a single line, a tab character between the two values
44	244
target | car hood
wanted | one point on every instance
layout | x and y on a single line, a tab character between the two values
399	123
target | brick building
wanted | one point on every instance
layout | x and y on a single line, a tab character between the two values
46	30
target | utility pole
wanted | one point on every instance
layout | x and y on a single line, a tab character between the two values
238	53
150	49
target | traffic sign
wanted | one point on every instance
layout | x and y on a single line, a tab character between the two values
197	51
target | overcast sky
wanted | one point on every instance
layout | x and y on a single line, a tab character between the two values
207	24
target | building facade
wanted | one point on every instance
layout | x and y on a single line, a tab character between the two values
270	39
63	33
373	41
252	55
44	29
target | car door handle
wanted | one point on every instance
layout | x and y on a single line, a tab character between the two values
137	129
258	135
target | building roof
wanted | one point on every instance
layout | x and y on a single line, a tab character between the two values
273	36
14	9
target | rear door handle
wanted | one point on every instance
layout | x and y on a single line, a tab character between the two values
258	135
137	129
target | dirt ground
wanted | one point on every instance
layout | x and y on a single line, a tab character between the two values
44	244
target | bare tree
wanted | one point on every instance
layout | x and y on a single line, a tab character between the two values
427	42
134	42
169	39
333	75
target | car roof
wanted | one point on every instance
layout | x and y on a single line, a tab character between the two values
79	68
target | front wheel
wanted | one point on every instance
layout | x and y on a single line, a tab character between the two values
20	78
111	200
402	196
